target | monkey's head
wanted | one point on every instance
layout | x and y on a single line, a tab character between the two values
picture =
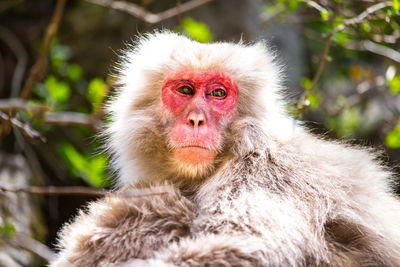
183	108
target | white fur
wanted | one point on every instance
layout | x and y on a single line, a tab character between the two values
145	66
276	196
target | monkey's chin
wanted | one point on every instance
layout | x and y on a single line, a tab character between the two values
194	155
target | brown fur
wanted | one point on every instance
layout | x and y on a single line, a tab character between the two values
276	195
109	228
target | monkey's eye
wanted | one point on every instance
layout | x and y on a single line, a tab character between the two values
186	90
218	92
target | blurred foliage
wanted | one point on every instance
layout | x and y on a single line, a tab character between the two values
96	92
392	140
196	30
353	95
354	28
86	166
7	230
65	80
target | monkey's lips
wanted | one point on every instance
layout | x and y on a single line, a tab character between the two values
194	155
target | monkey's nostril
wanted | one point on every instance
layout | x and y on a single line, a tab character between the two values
193	123
195	119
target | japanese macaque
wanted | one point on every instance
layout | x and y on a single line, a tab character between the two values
228	178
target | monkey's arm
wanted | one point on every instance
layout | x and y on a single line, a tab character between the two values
121	227
207	250
363	215
253	229
366	226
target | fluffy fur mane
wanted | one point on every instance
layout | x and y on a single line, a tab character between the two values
149	61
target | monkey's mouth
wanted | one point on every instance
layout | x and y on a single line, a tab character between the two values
194	155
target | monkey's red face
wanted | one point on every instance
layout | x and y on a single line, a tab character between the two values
202	104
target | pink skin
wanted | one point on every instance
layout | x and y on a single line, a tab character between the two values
196	132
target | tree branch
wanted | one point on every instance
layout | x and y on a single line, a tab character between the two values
360	17
54	190
16	104
315	5
72	119
82	190
375	48
28	243
39	69
370	10
54	118
321	67
26	129
322	64
147	16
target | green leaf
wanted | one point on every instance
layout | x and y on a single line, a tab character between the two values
59	90
7	230
392	140
293	4
339	19
41	90
74	72
324	15
306	83
395	85
366	27
73	157
59	54
341	38
96	92
396	5
313	101
91	169
97	167
198	31
346	123
24	116
273	9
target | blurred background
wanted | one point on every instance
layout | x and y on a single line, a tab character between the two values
341	59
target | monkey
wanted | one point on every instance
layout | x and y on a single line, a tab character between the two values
231	179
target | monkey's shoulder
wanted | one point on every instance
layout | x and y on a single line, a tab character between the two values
121	226
306	166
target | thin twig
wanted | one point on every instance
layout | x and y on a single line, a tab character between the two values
389	39
72	119
178	6
370	10
39	69
363	15
375	48
322	64
143	14
26	242
54	118
87	191
20	53
16	104
315	5
319	72
26	129
56	190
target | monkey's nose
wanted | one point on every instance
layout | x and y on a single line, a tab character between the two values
196	119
